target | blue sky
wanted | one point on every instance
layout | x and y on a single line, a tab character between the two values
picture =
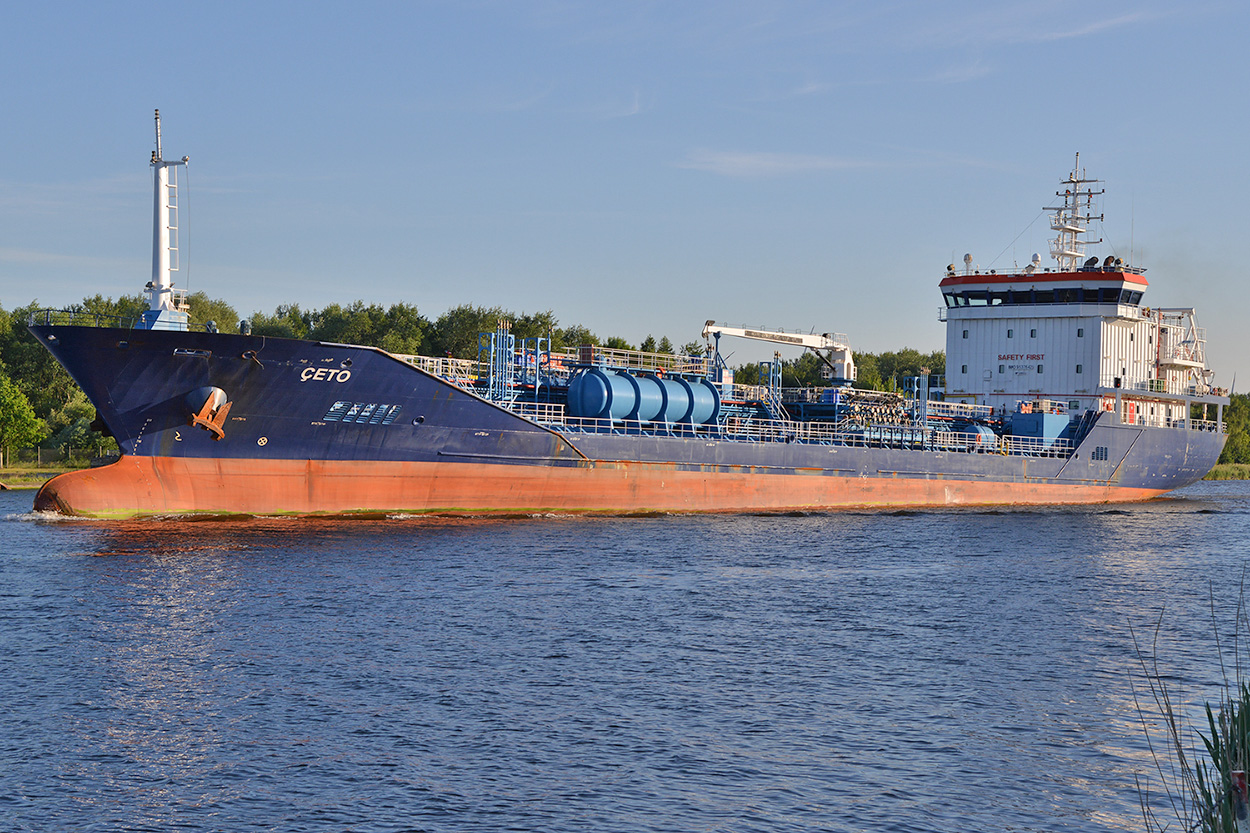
634	167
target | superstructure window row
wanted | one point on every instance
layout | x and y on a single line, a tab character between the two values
1022	297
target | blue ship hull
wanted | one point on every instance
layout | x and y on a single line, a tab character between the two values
312	427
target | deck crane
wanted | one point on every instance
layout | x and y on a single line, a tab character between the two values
833	349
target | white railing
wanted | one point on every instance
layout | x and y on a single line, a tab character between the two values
544	413
636	359
755	430
1036	446
747	393
1182	386
958	409
448	368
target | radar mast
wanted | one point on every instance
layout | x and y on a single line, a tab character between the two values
1071	219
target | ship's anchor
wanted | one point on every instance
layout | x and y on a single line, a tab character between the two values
211	415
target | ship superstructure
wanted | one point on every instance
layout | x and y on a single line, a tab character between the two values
212	422
1079	333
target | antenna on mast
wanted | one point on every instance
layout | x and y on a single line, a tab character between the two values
1071	219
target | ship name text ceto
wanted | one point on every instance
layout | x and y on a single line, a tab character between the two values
324	374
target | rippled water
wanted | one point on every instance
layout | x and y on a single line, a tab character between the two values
947	670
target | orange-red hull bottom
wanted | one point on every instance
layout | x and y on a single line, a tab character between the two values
136	486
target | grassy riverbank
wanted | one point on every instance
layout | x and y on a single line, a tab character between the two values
1230	471
30	477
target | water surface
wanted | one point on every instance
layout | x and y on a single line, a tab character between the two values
873	671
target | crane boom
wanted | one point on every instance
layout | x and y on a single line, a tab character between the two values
824	341
834	349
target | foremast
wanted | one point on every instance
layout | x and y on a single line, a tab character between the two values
167	307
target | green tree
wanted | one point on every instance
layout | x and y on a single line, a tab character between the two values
70	424
692	348
1237	420
868	377
574	336
19	427
455	333
648	344
665	346
123	312
749	374
31	367
204	309
618	343
404	330
287	321
536	325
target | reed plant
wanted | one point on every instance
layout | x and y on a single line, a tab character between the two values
1204	786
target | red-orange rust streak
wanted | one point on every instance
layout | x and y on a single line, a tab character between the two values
167	485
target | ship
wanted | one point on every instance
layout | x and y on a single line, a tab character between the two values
1061	387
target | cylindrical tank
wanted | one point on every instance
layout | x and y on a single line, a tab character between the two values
650	407
599	393
676	399
979	436
705	402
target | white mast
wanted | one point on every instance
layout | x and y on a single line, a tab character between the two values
1068	249
165	312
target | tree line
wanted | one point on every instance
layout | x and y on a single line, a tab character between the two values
41	404
876	371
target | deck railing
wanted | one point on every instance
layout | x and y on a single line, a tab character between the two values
814	432
84	318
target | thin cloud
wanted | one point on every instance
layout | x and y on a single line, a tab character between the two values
763	164
520	103
961	74
622	110
1020	24
1096	27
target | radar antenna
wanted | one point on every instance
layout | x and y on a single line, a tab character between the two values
1071	219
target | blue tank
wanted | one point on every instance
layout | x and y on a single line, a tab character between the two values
599	393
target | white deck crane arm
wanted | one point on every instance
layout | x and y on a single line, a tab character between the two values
838	357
